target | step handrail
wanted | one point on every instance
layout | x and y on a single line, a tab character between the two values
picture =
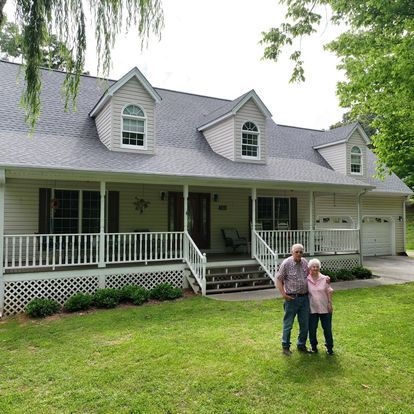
196	261
266	257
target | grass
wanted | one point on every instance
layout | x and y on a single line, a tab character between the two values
410	228
202	356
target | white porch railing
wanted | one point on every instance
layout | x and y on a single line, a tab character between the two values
313	241
50	250
143	247
196	261
266	257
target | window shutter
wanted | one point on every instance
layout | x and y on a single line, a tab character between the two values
44	210
113	211
293	214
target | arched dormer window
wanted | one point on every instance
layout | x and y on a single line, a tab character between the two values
356	160
133	127
250	140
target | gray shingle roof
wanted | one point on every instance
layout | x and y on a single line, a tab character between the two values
68	140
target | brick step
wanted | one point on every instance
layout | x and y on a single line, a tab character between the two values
239	289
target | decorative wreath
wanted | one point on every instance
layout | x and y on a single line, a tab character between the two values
54	204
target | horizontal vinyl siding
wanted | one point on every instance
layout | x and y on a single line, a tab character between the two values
103	125
335	155
337	205
133	93
356	139
386	207
250	112
221	138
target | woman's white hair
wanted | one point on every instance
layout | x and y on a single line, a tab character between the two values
314	262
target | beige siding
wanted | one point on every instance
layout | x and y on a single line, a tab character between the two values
387	207
335	155
250	112
337	205
221	138
103	125
356	139
132	93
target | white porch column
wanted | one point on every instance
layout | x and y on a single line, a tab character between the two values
359	224
404	223
311	223
2	188
253	237
101	262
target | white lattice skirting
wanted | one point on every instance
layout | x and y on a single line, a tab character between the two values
335	263
20	289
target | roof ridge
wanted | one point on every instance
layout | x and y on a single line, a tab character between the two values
192	94
297	127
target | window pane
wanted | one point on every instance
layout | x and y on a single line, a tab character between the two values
91	206
133	110
65	217
264	208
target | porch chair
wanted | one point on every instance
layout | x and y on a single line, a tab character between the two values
232	239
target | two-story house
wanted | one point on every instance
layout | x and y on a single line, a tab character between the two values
139	185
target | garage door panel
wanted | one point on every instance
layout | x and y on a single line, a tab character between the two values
376	237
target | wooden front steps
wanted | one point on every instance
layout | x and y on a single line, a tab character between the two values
236	278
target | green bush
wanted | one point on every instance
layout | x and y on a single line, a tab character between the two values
165	291
134	294
41	307
106	298
78	301
332	274
361	272
345	274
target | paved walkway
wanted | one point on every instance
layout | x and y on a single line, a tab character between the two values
388	270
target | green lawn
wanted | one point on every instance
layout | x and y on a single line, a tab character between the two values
202	356
410	228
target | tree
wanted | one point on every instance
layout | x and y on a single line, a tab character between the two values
376	51
54	53
67	19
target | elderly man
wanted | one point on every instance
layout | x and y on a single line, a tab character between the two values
293	286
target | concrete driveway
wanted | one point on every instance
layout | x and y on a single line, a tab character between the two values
398	268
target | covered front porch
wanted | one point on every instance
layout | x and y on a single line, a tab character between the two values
55	226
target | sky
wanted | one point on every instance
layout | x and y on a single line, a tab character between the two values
212	48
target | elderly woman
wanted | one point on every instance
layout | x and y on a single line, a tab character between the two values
320	301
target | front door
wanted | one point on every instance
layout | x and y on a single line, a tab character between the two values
198	216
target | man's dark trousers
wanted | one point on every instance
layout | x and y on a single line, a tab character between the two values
298	306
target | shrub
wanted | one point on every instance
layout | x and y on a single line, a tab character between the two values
361	272
332	274
345	274
41	307
139	296
106	298
78	301
165	291
134	294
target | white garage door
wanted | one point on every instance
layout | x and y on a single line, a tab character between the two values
376	236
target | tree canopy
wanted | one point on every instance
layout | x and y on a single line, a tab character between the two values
376	52
68	20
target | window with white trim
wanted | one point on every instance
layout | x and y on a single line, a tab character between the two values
250	140
274	213
356	160
133	127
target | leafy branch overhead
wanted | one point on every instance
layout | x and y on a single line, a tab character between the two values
376	52
67	19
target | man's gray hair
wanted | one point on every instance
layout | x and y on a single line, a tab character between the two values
297	246
314	262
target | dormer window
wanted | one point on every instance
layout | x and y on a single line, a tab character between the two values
356	160
250	140
133	127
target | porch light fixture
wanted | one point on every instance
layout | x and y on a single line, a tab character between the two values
215	198
163	195
400	218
